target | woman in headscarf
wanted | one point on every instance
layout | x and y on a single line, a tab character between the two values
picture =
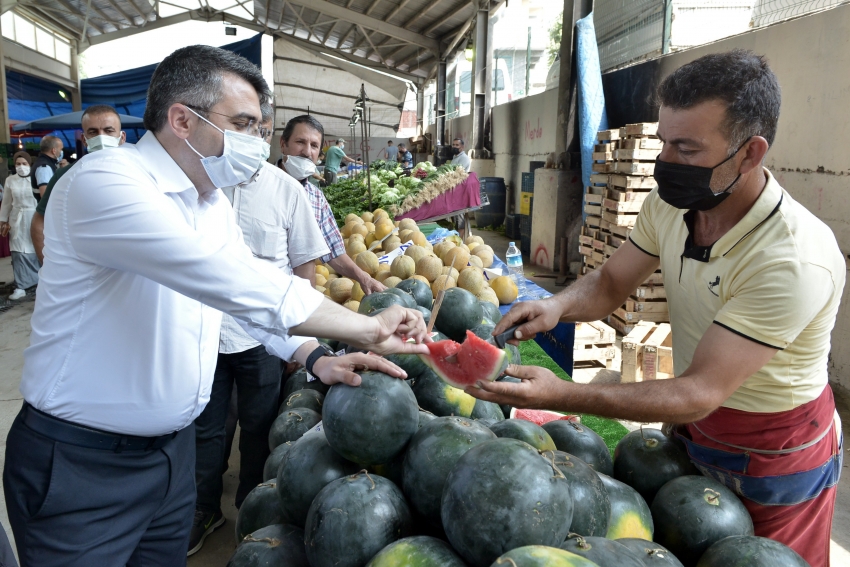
16	212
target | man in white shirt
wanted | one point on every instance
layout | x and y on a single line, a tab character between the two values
142	255
460	158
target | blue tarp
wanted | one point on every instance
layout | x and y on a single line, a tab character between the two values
31	98
591	99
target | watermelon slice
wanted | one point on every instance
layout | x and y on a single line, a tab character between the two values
542	416
462	365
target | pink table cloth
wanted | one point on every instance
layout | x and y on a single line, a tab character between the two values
467	195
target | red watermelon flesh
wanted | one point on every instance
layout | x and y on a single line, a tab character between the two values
462	365
542	416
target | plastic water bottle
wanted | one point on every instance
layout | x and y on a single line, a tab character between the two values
513	258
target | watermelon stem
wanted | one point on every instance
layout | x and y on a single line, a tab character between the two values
551	459
273	542
713	498
364	471
506	559
580	541
649	442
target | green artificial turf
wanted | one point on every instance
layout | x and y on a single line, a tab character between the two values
610	430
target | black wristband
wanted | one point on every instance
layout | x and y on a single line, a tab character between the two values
319	352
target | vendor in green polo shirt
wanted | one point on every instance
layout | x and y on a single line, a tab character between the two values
753	283
333	158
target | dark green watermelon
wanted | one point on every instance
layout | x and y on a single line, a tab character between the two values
425	417
380	300
526	431
277	544
420	292
603	552
487	410
298	381
750	551
353	518
260	508
647	459
581	441
484	331
291	425
310	399
274	459
630	516
439	398
426	313
410	363
391	471
693	512
417	551
459	313
370	424
487	422
541	556
591	508
406	298
513	354
506	408
308	467
491	311
432	453
653	554
502	494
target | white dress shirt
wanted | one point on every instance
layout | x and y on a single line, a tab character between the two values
278	226
137	271
462	159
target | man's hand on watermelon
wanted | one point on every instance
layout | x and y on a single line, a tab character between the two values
534	317
395	328
345	369
538	388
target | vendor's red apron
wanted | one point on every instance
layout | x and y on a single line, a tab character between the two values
785	467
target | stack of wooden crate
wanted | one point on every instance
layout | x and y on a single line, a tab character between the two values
624	161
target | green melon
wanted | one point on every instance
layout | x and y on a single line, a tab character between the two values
391	471
487	410
502	494
526	431
417	551
591	508
425	417
647	459
299	381
407	299
370	424
604	552
307	468
630	516
260	508
513	354
484	331
274	459
291	425
410	363
426	313
541	556
353	518
432	453
435	396
277	544
420	292
491	311
581	441
459	313
693	512
750	551
506	408
310	399
380	300
652	554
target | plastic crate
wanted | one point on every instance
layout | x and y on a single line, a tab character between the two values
512	226
525	232
528	182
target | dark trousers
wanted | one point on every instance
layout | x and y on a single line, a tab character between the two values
71	506
257	377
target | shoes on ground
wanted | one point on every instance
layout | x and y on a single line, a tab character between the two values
17	294
203	525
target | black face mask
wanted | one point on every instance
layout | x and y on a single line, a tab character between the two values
455	151
689	186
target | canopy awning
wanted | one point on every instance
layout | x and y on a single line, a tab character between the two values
71	121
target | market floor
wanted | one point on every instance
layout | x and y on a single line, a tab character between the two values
14	337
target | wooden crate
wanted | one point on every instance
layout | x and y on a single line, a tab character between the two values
630	206
639	129
608	135
633	155
647	352
594	345
631	182
635	316
638	144
645	168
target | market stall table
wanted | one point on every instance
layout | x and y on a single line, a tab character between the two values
464	198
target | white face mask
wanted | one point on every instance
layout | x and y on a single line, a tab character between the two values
23	170
240	162
299	167
102	142
267	151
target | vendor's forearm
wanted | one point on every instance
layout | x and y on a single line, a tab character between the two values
37	235
589	299
345	266
333	321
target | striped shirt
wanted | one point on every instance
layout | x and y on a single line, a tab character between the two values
326	220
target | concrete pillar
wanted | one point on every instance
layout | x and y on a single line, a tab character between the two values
439	139
76	95
5	138
481	51
420	110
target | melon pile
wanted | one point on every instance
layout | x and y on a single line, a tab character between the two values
365	477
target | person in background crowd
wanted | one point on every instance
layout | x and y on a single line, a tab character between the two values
142	257
5	252
334	157
390	153
63	163
754	282
278	226
405	158
300	143
458	151
46	164
16	212
101	130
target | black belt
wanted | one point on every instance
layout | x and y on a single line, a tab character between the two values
81	436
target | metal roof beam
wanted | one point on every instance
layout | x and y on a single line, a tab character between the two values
6	5
336	11
396	10
425	9
447	16
158	23
120	10
56	24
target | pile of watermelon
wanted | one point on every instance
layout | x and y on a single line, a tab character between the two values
417	472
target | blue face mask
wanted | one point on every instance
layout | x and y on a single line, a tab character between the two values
61	155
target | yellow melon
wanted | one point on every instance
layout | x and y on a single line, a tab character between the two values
382	276
443	247
485	253
367	216
475	238
356	236
415	252
442	283
367	261
382	268
419	239
472	246
408	224
322	271
351	217
382	229
370	238
345	231
392	281
472	280
449	271
505	289
320	289
429	267
404	234
354	248
330	269
340	289
391	244
487	294
476	261
422	279
457	257
357	292
359	229
403	267
378	215
396	223
332	277
369	226
321	280
353	305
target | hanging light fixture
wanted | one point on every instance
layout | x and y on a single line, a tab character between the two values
468	52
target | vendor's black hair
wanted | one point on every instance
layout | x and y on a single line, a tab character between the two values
740	79
194	76
303	119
